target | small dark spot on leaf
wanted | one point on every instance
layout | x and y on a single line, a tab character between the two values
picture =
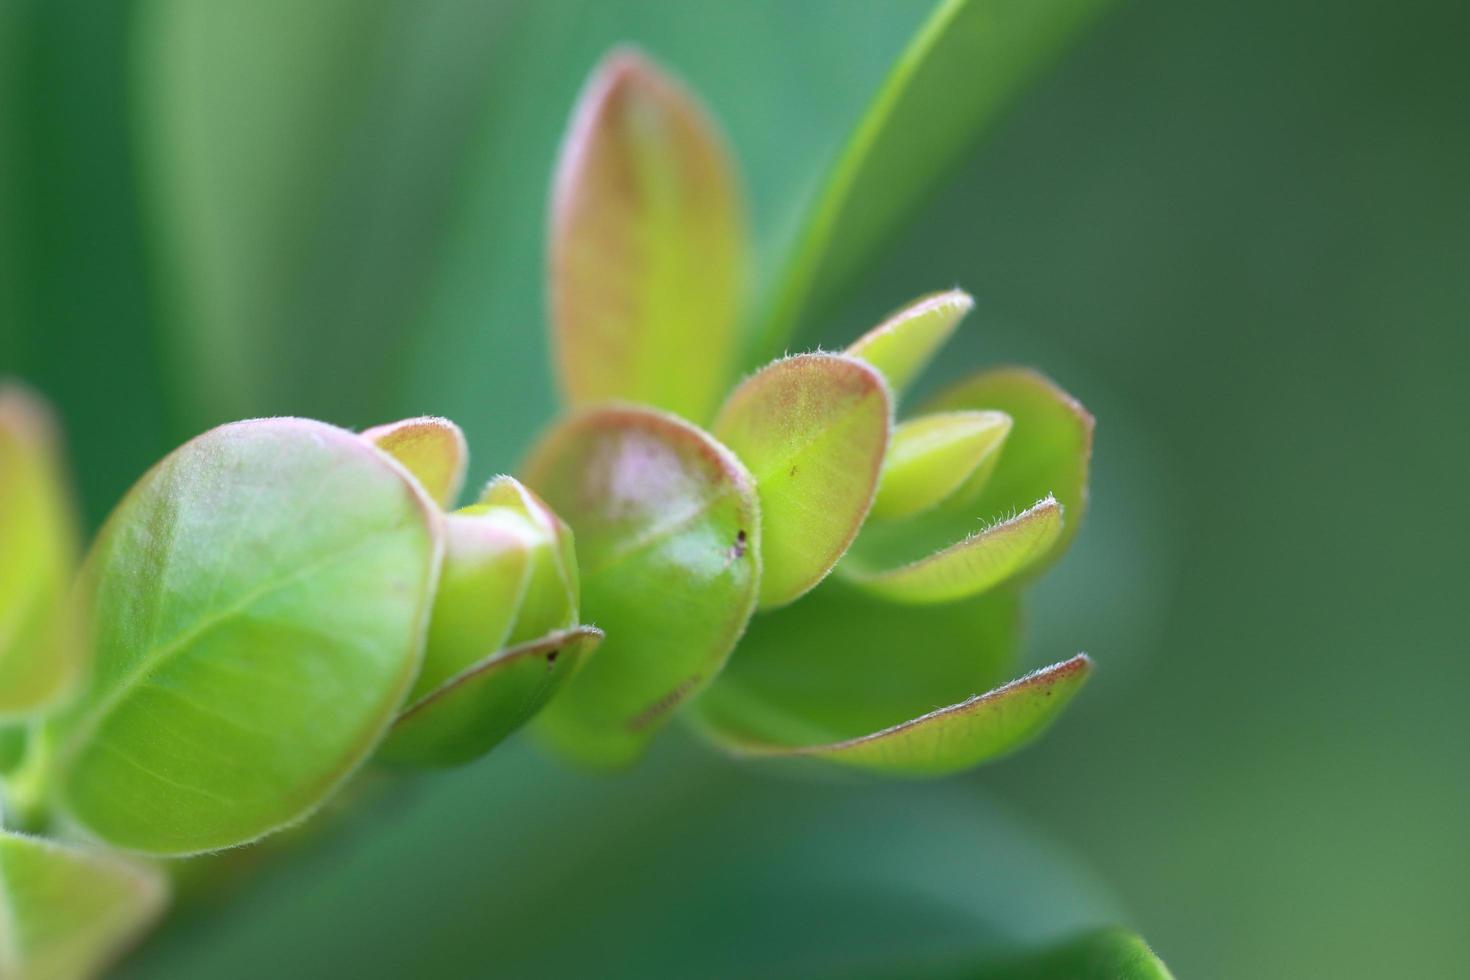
738	549
551	658
793	471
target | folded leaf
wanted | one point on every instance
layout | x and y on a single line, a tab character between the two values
647	245
668	541
474	710
260	599
553	594
813	429
982	561
933	456
66	913
904	344
39	657
839	664
432	449
960	71
1047	453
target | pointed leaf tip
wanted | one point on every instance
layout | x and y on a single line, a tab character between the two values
814	430
432	449
647	239
904	344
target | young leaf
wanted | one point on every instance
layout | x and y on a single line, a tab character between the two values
553	594
933	456
432	449
647	245
1047	453
38	654
259	601
668	540
982	561
1108	954
964	66
839	664
471	712
813	429
904	344
66	913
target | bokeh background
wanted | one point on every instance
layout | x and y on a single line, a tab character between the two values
1240	232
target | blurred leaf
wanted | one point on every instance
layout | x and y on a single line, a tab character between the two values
1047	453
38	655
839	664
668	541
904	344
12	746
647	245
965	65
432	449
932	456
65	913
260	599
982	561
471	712
813	430
1109	954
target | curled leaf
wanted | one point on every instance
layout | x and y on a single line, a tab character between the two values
475	709
668	540
904	344
260	600
1048	451
813	429
66	913
647	245
933	456
39	657
981	561
553	591
432	449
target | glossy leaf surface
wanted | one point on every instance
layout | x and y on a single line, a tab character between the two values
432	449
904	344
813	429
982	561
667	526
647	246
38	655
1048	451
473	711
933	456
66	913
260	600
963	67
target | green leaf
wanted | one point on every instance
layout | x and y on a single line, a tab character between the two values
432	449
508	579
813	430
904	344
998	554
476	709
1108	954
933	456
12	747
1048	451
39	659
647	245
963	68
259	601
845	679
668	540
66	913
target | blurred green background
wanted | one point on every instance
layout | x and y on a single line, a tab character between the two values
1240	232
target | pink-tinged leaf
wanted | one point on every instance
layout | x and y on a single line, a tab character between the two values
668	539
933	456
813	429
982	561
980	729
647	245
39	653
432	449
1048	451
904	344
472	711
